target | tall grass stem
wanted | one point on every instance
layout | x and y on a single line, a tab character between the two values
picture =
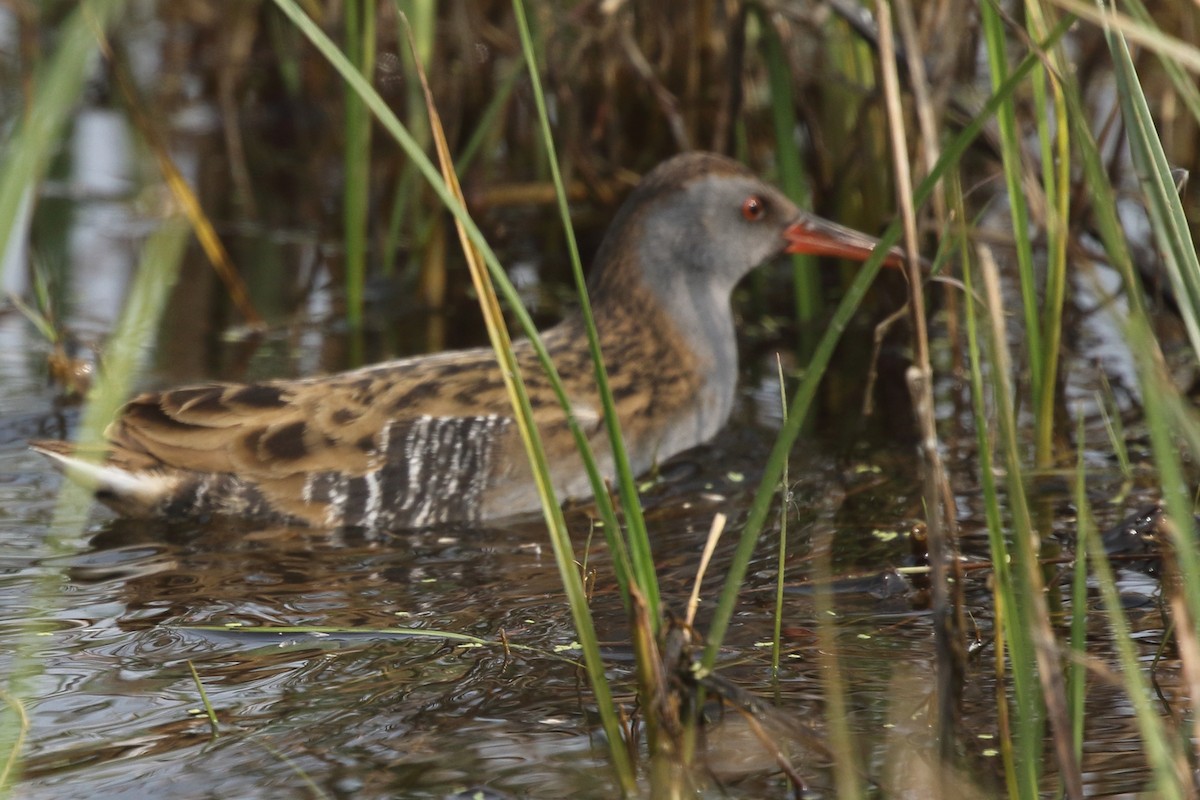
638	540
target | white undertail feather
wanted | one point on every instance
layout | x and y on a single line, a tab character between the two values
141	487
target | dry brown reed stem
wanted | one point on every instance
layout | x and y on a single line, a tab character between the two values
1045	644
238	48
1004	728
1189	654
781	759
927	122
661	704
1136	33
537	193
206	234
918	84
847	770
710	545
947	614
668	103
882	329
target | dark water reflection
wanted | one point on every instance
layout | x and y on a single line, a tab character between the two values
382	715
388	715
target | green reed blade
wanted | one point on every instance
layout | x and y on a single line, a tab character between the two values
360	48
399	132
1013	161
1147	36
781	564
1030	581
407	210
57	85
338	633
1055	143
1184	84
1179	258
638	539
1167	218
576	597
792	178
1077	672
802	399
1022	764
127	347
1162	756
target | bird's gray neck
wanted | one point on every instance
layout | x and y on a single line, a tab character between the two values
698	308
656	281
703	320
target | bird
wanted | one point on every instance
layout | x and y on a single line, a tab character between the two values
431	440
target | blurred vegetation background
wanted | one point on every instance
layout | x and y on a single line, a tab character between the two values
303	195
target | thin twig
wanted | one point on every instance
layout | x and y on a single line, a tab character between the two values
947	614
1045	644
206	234
14	755
204	701
714	535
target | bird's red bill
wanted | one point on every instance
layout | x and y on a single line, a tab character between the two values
819	237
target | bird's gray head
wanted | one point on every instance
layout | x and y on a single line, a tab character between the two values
696	222
688	233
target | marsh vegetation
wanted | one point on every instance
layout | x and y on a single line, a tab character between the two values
911	595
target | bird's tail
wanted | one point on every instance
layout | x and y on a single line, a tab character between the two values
130	491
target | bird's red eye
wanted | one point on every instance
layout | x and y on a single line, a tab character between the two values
753	208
